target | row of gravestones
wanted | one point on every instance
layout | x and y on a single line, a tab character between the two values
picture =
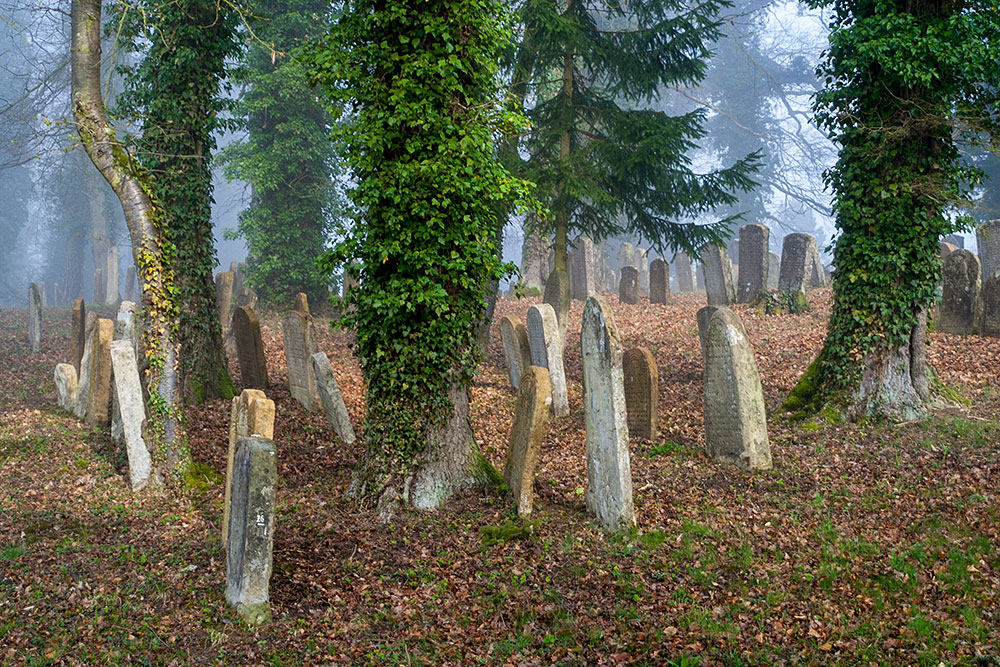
970	303
620	398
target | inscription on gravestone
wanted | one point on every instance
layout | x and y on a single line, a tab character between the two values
718	276
685	277
641	392
960	290
754	262
249	348
659	281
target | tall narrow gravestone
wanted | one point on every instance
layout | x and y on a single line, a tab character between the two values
125	330
718	276
111	275
251	529
546	352
989	311
685	277
516	350
773	269
131	285
66	386
78	333
34	318
988	241
959	293
735	419
699	276
296	332
100	287
754	262
530	420
99	392
252	414
642	263
796	256
609	472
628	285
659	281
83	379
582	265
333	401
128	398
817	274
249	348
642	388
557	295
224	301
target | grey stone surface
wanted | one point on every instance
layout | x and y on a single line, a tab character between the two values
624	257
132	412
125	329
628	285
642	263
946	249
754	262
534	398
557	295
960	290
249	348
99	390
131	285
642	389
659	281
251	529
296	333
988	243
77	336
34	318
534	264
796	257
773	269
735	418
817	274
83	379
582	266
718	276
66	386
685	276
699	275
225	302
989	310
100	287
546	352
333	401
251	414
609	473
516	349
111	293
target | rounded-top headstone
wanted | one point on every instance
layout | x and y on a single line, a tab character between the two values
641	392
989	313
628	285
659	281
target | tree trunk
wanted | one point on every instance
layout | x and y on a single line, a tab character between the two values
894	383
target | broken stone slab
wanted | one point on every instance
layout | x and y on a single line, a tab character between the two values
333	401
531	418
132	413
66	386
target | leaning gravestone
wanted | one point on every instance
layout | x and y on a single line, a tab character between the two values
252	414
685	277
988	240
534	397
659	281
296	332
224	301
628	285
124	330
546	352
78	333
99	391
128	398
557	295
718	276
642	386
333	401
960	291
83	379
754	262
250	348
989	311
251	529
34	318
66	386
609	473
516	349
796	257
735	420
582	265
817	274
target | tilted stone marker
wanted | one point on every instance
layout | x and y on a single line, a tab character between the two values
124	330
735	419
754	262
128	398
252	414
250	348
609	472
659	281
642	389
582	265
534	398
296	332
817	274
99	392
988	241
796	254
66	386
685	277
34	318
251	529
718	276
333	401
546	352
989	311
628	285
516	350
960	290
557	295
77	337
225	303
83	379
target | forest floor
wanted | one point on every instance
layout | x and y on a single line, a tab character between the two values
866	544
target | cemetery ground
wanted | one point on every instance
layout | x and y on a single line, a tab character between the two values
866	544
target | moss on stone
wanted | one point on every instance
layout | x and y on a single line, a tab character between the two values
805	395
781	302
200	477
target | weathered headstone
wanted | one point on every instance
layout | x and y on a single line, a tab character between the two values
224	302
685	278
250	348
557	295
83	379
252	414
989	310
796	256
333	401
699	275
718	276
628	285
642	386
754	262
534	254
66	386
546	352
659	281
34	318
735	419
773	269
960	291
99	392
132	412
817	274
516	350
534	397
582	266
642	263
624	257
609	472
125	329
111	293
251	529
131	285
988	241
296	332
100	287
946	249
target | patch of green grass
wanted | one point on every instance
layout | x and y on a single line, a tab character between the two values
11	552
200	477
506	532
666	448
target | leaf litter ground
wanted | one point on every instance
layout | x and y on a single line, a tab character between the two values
867	544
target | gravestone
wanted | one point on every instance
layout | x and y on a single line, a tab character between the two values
132	412
955	240
946	249
333	401
251	529
659	281
534	269
989	310
66	386
624	257
685	278
252	414
516	350
99	391
642	263
642	386
796	256
960	291
817	275
988	240
111	293
773	269
609	473
83	379
718	276
735	419
224	302
546	352
557	295
249	348
582	265
124	330
699	276
628	285
296	332
34	318
754	262
100	287
131	285
534	398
